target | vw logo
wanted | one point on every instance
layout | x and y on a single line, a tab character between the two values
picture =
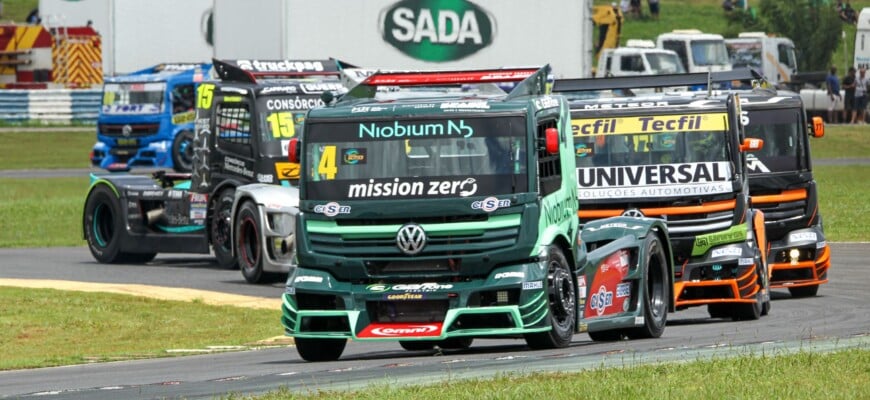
632	212
126	130
411	239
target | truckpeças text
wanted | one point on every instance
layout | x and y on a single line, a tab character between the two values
445	213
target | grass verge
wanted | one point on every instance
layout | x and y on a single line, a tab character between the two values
843	194
46	327
805	375
46	150
42	212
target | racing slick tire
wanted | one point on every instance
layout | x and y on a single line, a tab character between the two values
249	252
656	291
103	225
416	345
804	291
561	295
220	228
182	151
320	349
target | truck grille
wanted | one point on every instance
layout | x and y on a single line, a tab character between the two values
441	246
783	212
700	223
135	130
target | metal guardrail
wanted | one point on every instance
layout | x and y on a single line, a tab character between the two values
50	105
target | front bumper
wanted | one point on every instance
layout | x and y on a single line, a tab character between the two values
725	274
801	258
155	154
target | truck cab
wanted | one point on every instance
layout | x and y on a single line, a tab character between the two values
435	208
698	51
773	56
679	157
146	118
638	58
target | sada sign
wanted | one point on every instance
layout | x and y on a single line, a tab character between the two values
437	30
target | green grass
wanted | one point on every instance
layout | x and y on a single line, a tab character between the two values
45	327
843	194
842	141
42	212
46	150
805	375
17	10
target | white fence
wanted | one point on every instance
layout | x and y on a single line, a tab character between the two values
50	105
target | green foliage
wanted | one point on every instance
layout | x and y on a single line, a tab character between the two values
791	18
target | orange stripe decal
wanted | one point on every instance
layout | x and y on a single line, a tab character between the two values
786	195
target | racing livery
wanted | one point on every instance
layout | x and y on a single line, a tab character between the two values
447	212
243	123
680	158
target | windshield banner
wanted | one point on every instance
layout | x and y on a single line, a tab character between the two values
415	187
661	180
650	124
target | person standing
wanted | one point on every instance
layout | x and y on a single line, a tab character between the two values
860	109
832	82
848	83
654	8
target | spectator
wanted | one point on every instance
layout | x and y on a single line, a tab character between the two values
728	5
654	8
634	8
848	85
847	13
860	110
33	17
833	85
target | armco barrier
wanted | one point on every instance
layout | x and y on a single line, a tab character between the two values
50	105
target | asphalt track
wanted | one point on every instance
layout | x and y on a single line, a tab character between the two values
839	318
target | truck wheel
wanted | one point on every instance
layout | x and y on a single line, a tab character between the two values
182	151
718	310
320	349
562	311
221	224
248	251
607	336
416	345
103	225
804	291
655	296
458	343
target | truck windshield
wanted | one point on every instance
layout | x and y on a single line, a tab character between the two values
133	98
709	52
665	63
652	156
782	134
404	159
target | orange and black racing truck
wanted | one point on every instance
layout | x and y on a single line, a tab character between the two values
680	157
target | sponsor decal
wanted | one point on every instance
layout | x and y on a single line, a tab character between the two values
410	288
323	87
280	66
132	109
186	117
490	204
504	275
821	245
803	237
546	102
734	234
401	330
754	164
727	252
660	180
238	166
650	124
581	288
533	285
294	103
279	89
265	178
308	279
583	150
404	296
465	105
153	193
601	300
396	188
745	261
366	109
198	198
420	129
557	211
623	290
175	194
331	209
437	30
612	106
353	156
285	170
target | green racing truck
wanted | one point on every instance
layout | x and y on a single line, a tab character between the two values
435	208
681	158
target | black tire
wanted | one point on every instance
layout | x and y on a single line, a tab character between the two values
182	151
320	349
417	345
220	228
804	291
607	336
249	252
748	311
457	343
656	291
562	313
103	225
718	310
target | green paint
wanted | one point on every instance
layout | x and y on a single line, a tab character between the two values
703	243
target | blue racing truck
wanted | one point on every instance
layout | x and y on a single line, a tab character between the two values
146	118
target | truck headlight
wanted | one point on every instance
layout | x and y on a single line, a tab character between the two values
281	223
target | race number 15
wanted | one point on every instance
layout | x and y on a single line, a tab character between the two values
204	96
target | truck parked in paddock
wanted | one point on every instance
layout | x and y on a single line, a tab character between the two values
243	123
447	212
679	158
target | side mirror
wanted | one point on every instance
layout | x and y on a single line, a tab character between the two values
818	127
293	151
551	140
751	144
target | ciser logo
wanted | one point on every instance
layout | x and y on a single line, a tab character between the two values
437	30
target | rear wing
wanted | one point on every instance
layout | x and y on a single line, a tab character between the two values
249	71
532	80
656	81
